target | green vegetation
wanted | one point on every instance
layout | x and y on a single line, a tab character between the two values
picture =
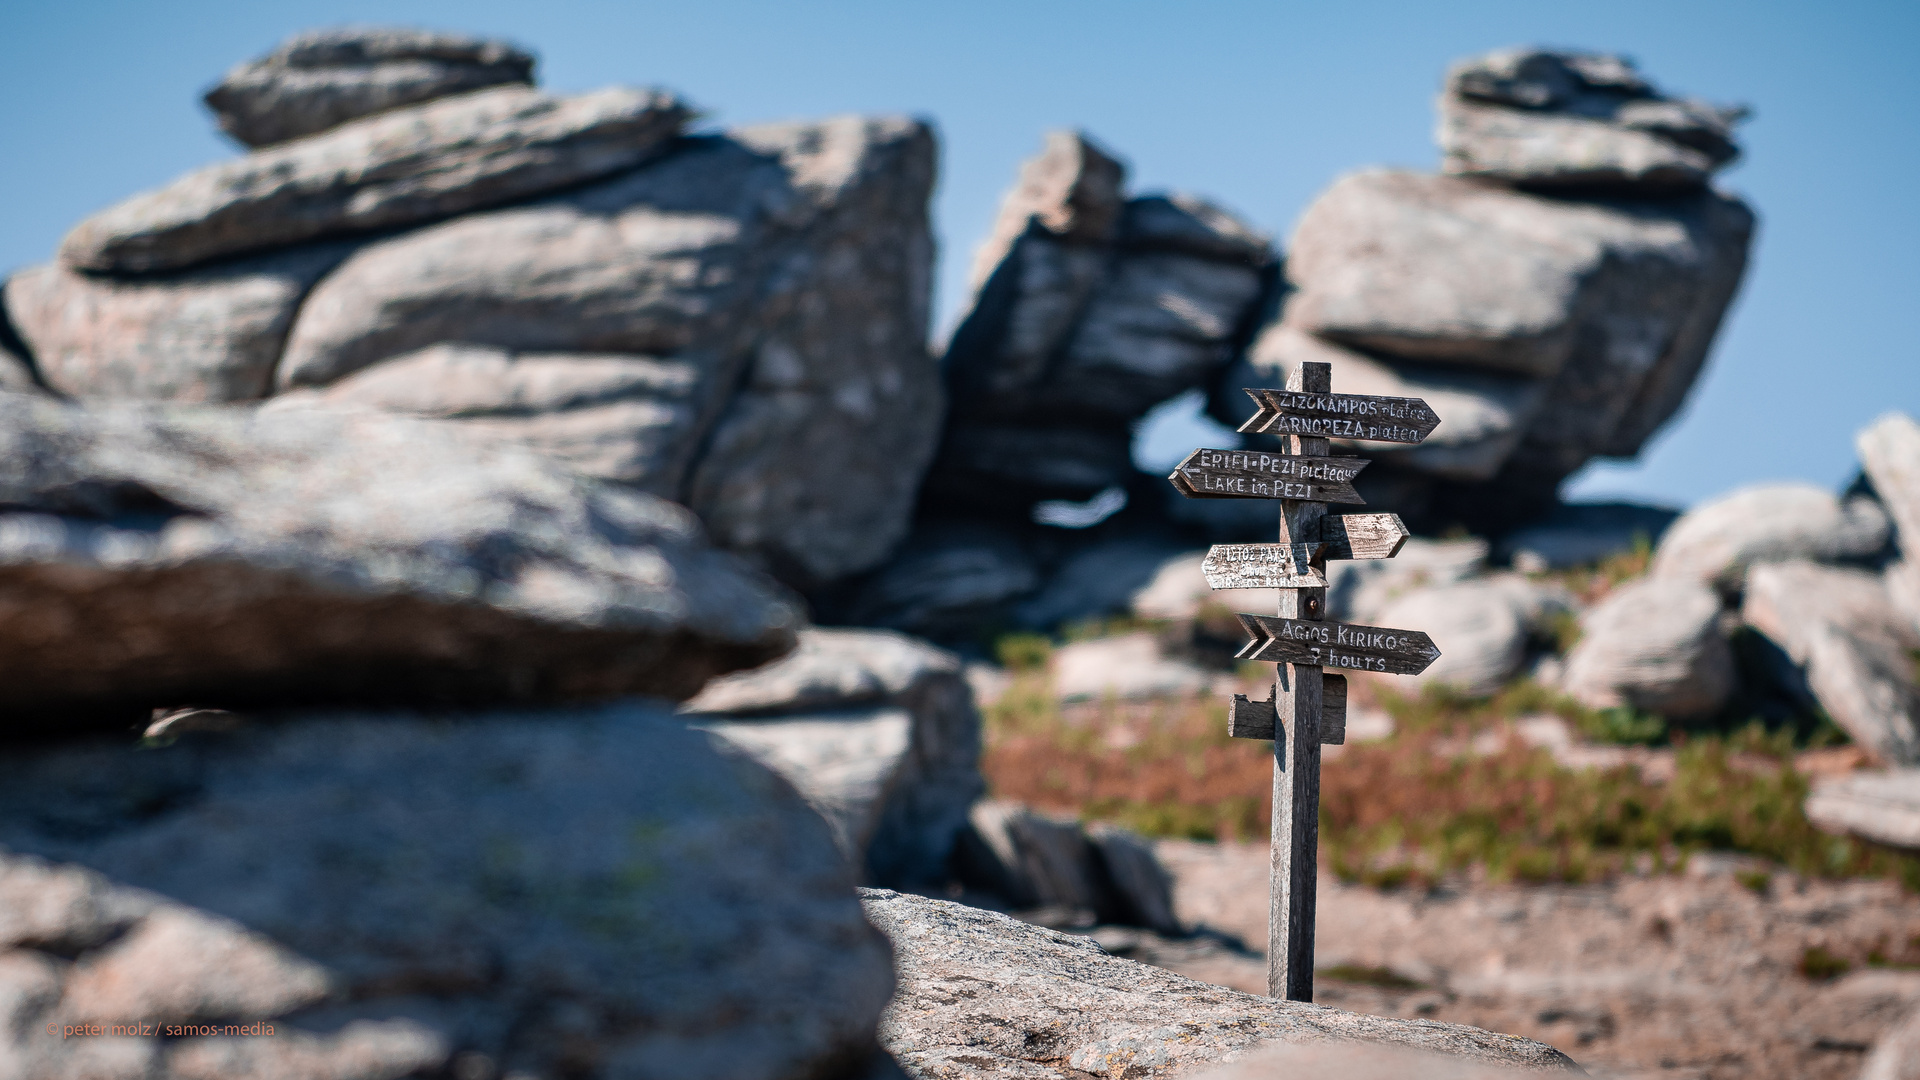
1385	978
1819	964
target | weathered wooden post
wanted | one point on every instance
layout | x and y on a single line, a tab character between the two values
1307	706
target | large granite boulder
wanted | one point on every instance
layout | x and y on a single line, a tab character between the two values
981	995
876	730
1542	118
739	327
211	334
154	556
1855	644
591	893
318	79
1552	330
1889	451
381	172
1089	309
1654	645
1717	541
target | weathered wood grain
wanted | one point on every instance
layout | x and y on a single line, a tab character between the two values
1248	719
1341	645
1340	416
1260	474
1333	710
1262	566
1362	536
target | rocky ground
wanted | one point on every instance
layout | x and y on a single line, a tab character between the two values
1724	971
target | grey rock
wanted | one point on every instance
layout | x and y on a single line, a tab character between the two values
17	373
769	290
630	419
1583	534
1073	190
1478	627
1359	590
154	557
212	334
1556	119
1655	645
1058	868
982	995
878	731
946	579
1855	644
1125	667
381	172
1883	807
1889	451
1100	579
318	79
1364	1061
599	892
1716	541
1192	225
1011	466
1140	887
1483	415
1612	303
1897	1055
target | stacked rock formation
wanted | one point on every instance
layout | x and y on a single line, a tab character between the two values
1552	295
736	322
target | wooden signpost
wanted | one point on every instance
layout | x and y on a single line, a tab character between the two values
1307	707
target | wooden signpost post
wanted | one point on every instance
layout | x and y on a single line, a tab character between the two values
1307	706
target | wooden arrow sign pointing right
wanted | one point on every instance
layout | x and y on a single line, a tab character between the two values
1341	416
1257	474
1262	566
1341	645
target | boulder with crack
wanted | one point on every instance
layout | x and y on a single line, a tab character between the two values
595	892
878	731
982	995
158	556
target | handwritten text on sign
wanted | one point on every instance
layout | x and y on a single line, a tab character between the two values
1341	645
1252	474
1341	416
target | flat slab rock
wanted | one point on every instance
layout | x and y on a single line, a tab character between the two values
1880	806
982	995
582	893
155	556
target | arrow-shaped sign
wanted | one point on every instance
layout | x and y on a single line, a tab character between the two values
1341	416
1257	474
1262	566
1290	566
1341	645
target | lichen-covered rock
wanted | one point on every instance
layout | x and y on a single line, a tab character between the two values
1717	541
318	79
981	995
593	892
1855	644
739	327
155	556
878	732
380	172
1544	118
211	334
1654	645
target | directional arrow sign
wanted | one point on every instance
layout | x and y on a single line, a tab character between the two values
1262	566
1341	416
1341	645
1362	536
1255	474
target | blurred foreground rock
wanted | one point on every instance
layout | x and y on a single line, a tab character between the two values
156	557
982	995
876	730
1883	807
318	79
591	893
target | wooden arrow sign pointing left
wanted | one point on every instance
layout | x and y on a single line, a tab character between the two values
1257	474
1341	645
1341	416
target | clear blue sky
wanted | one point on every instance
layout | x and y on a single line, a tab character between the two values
1257	105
